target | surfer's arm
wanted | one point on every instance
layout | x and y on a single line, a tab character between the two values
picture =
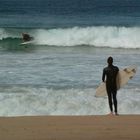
117	70
103	76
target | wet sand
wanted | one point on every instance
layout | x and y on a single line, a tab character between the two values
122	127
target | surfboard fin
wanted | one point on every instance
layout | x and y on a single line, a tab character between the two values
131	77
134	70
126	70
129	70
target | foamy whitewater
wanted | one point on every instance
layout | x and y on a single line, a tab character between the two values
58	73
111	36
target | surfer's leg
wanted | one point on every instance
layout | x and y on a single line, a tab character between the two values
110	100
115	100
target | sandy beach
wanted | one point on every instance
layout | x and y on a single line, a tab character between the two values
123	127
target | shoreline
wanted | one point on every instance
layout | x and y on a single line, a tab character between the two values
122	127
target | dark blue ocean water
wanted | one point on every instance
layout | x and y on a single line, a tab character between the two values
69	13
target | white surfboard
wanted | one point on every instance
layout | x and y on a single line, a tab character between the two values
122	79
27	42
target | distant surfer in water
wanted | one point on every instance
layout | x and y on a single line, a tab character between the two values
26	37
110	74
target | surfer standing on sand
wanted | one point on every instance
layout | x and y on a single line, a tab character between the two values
110	74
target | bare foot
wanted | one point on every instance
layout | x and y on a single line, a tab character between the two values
116	114
111	113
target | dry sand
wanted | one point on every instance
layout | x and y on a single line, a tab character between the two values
123	127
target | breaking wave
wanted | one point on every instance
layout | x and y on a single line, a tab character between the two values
99	36
17	101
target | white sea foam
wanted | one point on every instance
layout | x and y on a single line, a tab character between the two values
3	34
41	101
97	36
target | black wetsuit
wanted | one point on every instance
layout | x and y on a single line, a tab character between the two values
110	73
27	37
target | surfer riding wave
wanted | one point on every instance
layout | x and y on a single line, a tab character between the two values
26	37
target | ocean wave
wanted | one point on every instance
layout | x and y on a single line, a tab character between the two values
99	36
23	101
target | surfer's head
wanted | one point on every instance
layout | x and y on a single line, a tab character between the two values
110	60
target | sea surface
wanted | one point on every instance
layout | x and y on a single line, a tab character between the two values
58	73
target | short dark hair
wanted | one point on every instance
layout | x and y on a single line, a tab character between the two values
110	60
